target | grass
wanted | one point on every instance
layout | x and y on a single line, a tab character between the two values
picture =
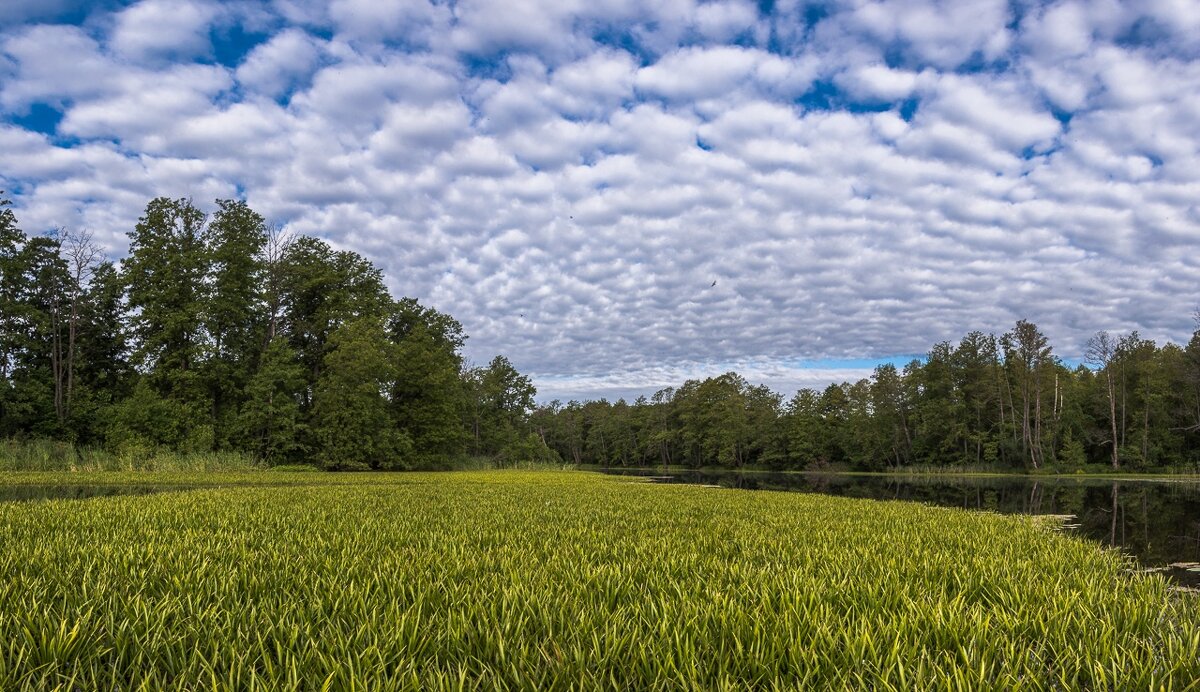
544	580
54	455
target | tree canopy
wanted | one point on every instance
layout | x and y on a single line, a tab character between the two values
999	402
219	332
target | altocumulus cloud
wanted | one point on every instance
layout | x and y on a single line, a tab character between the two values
568	178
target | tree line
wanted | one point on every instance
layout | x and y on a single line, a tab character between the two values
1003	402
220	332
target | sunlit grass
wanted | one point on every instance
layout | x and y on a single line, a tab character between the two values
539	580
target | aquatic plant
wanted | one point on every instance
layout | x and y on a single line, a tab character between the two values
542	580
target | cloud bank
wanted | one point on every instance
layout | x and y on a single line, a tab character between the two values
861	179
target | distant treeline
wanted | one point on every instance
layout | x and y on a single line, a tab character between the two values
987	402
220	333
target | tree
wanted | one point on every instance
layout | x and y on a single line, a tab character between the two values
351	424
233	307
891	414
1027	355
270	419
503	403
427	396
806	431
82	257
11	280
37	376
104	373
1100	352
166	273
322	290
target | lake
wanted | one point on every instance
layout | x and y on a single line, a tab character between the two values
1155	521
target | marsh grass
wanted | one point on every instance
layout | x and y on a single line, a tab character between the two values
540	580
54	455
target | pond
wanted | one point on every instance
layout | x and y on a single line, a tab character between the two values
1155	521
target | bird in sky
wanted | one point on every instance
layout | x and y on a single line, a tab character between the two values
713	284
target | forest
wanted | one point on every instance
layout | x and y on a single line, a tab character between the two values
1002	403
218	332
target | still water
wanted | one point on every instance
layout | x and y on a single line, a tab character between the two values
1155	521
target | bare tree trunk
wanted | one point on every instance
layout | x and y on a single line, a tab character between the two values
1101	350
1123	402
279	242
1038	453
1112	417
1146	432
83	256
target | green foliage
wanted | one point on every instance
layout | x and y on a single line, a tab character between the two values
323	289
1071	455
58	456
526	452
232	313
270	420
351	423
502	401
223	335
427	397
537	580
165	274
1003	403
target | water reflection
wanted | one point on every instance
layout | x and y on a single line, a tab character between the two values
1157	522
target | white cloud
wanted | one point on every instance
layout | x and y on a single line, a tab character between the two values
879	83
414	20
944	33
724	20
704	73
276	66
572	200
75	69
154	29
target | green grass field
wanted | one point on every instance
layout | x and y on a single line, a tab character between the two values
543	580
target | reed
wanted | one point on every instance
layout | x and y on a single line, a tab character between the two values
55	455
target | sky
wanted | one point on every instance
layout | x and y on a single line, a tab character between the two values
568	178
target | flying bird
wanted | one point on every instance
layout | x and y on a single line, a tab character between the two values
713	284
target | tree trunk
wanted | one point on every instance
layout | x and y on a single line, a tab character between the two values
1112	416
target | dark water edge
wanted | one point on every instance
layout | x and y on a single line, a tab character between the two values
1155	521
32	493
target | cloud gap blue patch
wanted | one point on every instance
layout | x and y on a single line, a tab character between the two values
491	66
1062	116
1145	33
623	39
41	117
813	14
231	44
66	12
823	95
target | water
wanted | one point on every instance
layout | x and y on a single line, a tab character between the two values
26	493
1155	521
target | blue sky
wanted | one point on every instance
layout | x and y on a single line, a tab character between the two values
862	179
